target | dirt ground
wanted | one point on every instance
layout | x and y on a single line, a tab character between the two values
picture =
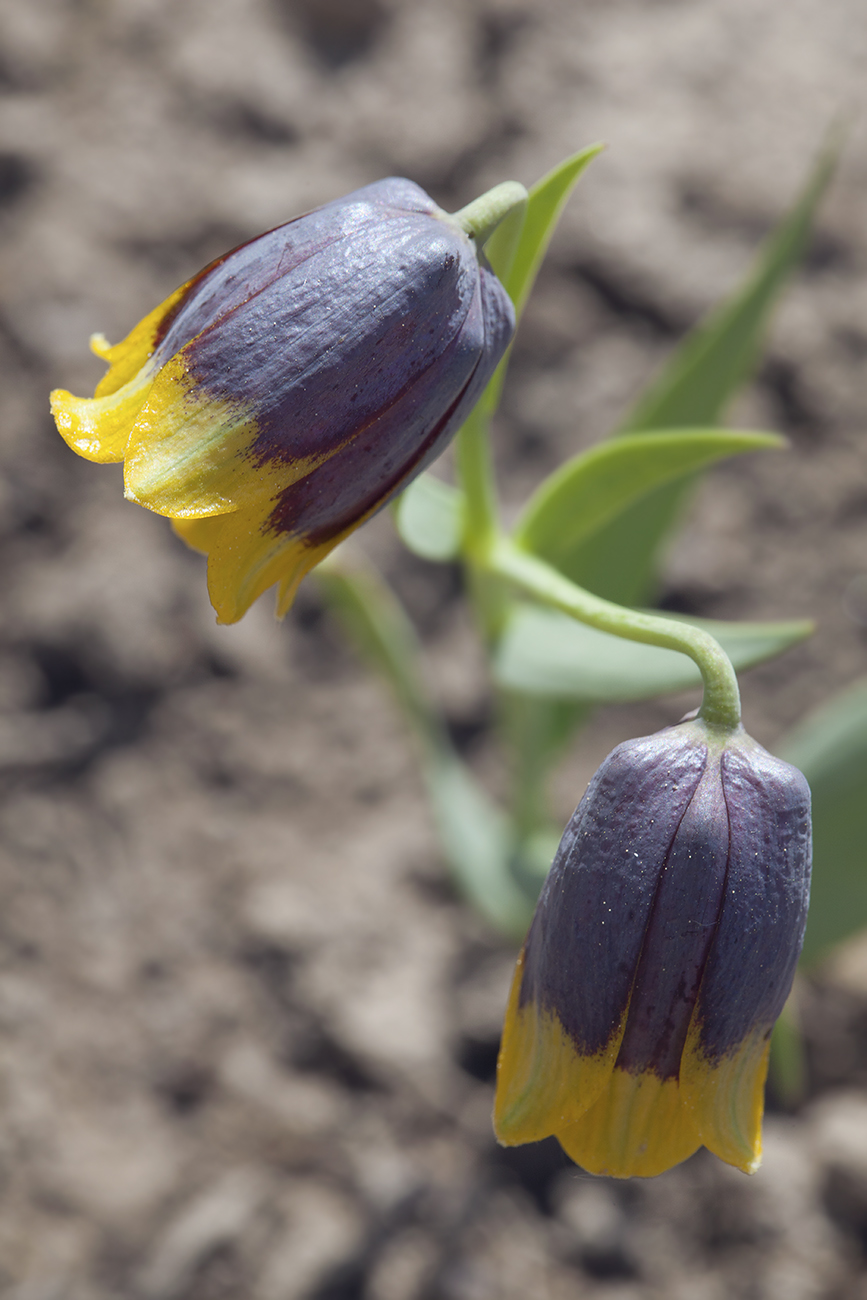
248	1031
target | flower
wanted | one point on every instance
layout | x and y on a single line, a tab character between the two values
662	950
282	396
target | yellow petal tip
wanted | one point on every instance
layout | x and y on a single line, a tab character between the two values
100	346
639	1128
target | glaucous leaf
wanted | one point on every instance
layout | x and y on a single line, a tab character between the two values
830	748
429	517
477	843
518	245
716	357
546	653
587	492
475	836
705	372
546	202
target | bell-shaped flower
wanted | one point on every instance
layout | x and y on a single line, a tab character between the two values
279	398
663	947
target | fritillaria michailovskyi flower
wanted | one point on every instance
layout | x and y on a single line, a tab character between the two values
663	947
279	398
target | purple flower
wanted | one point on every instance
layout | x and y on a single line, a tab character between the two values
282	396
663	947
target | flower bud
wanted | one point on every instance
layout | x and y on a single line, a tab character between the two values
661	952
282	396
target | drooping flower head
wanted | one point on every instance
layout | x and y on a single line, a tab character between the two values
663	947
283	395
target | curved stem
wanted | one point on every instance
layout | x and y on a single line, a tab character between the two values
721	704
480	218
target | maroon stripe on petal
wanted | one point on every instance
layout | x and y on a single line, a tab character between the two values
381	456
755	952
245	272
333	346
679	935
365	474
253	266
587	935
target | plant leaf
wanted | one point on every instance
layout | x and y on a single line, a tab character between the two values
590	490
830	748
477	843
546	201
787	1074
694	389
717	356
429	517
517	247
537	730
475	835
546	653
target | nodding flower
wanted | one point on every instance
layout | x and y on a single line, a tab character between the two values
663	947
282	396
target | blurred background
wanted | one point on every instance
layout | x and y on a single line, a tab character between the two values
248	1032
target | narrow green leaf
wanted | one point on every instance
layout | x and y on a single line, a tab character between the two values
536	730
622	561
477	844
546	202
378	625
476	837
830	748
518	245
501	249
429	517
716	358
788	1066
546	653
590	490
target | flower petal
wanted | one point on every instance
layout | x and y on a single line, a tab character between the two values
199	534
127	358
572	990
98	428
752	961
543	1082
246	556
190	454
639	1127
585	942
725	1095
679	934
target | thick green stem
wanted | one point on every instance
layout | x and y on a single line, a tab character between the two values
480	218
481	527
476	475
721	704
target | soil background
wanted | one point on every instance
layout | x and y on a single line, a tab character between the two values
248	1031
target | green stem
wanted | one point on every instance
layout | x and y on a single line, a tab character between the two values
476	474
481	523
721	704
480	218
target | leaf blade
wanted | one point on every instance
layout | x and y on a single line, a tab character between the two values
830	748
517	247
693	389
592	489
717	356
429	516
547	654
475	835
546	201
